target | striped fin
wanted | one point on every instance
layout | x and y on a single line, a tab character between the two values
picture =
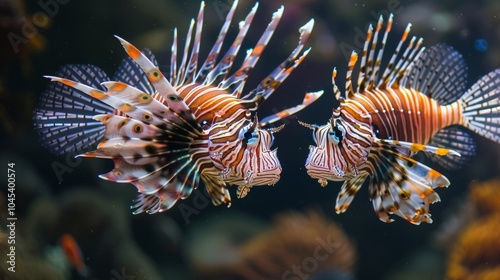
64	116
347	192
481	105
136	141
349	89
394	72
195	51
161	84
216	189
371	59
309	98
440	73
161	168
143	106
119	105
162	200
267	86
222	68
151	151
178	175
411	149
173	58
458	140
209	63
402	186
130	73
182	67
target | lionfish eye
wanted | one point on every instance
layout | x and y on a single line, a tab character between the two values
337	132
249	136
204	124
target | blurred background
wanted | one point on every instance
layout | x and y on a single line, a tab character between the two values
72	225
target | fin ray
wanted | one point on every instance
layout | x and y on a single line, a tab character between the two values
64	116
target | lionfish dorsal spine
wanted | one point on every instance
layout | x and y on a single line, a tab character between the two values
238	79
182	67
221	70
209	63
193	60
173	58
269	84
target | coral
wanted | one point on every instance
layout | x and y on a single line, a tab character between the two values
475	252
295	246
308	241
98	224
298	245
214	245
485	197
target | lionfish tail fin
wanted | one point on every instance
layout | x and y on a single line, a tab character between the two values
402	186
481	106
64	116
309	98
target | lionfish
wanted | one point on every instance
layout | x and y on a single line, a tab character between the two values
163	135
419	102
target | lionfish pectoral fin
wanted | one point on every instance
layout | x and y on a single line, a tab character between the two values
130	73
348	191
154	203
159	191
161	84
216	189
402	186
440	73
458	140
410	149
63	116
243	191
309	98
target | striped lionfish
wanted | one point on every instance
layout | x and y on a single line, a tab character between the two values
419	102
163	135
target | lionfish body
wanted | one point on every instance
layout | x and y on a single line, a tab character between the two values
418	103
165	134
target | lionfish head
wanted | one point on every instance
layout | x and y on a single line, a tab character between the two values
341	147
249	161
